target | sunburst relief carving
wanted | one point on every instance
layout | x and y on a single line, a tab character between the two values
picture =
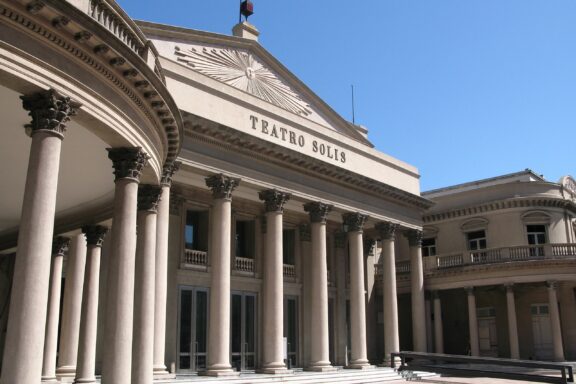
241	70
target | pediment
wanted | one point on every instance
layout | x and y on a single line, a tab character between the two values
245	65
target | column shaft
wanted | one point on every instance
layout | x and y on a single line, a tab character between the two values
473	323
143	345
438	327
512	323
51	344
71	309
85	369
22	362
555	322
418	299
391	334
273	295
359	357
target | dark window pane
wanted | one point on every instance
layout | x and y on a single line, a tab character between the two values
201	320
236	323
288	244
536	228
185	321
476	235
428	242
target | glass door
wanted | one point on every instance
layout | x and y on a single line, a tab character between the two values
192	329
291	329
243	332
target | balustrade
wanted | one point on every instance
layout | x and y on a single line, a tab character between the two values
244	264
289	271
193	258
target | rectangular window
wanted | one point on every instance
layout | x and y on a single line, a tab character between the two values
196	230
288	246
536	237
476	240
429	247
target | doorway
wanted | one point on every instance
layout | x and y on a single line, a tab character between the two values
192	329
542	332
243	332
291	329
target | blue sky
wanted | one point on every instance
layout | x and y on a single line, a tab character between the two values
462	89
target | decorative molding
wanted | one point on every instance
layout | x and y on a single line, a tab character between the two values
222	186
49	110
95	234
369	247
318	211
474	224
242	70
386	230
176	201
305	232
148	197
168	171
536	217
552	284
414	237
274	200
128	162
60	245
354	222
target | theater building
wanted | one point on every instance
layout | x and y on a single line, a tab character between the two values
179	202
499	269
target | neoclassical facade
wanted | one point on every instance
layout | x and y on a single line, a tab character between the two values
499	263
180	202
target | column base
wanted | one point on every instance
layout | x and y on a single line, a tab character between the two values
161	373
360	365
321	368
220	372
275	371
85	380
66	372
49	379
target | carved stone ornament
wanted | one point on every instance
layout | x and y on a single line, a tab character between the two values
60	245
49	111
552	284
305	232
369	247
242	70
354	222
469	291
340	239
222	186
95	234
386	230
176	201
168	171
274	200
414	237
128	162
149	197
318	211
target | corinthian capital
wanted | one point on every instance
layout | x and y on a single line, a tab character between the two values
222	186
318	211
94	234
354	222
149	197
168	171
386	230
128	162
274	200
49	110
414	237
60	245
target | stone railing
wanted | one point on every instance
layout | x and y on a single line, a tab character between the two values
194	259
289	271
244	264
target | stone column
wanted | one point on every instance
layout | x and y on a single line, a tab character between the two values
144	290
319	346
116	366
305	239
387	233
341	323
438	326
71	309
473	322
22	362
161	279
272	285
59	248
354	223
219	320
417	291
555	321
512	323
85	368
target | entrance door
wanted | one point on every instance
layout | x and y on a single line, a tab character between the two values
487	334
291	329
542	332
243	332
193	329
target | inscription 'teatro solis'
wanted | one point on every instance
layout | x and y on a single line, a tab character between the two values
284	134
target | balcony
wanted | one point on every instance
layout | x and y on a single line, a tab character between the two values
244	266
487	257
194	259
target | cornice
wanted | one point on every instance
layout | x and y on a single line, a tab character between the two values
60	24
231	140
519	202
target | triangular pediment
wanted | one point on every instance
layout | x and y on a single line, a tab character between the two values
245	65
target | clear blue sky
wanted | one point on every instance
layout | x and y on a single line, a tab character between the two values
462	89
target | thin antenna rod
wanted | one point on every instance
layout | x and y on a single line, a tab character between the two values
240	13
353	114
